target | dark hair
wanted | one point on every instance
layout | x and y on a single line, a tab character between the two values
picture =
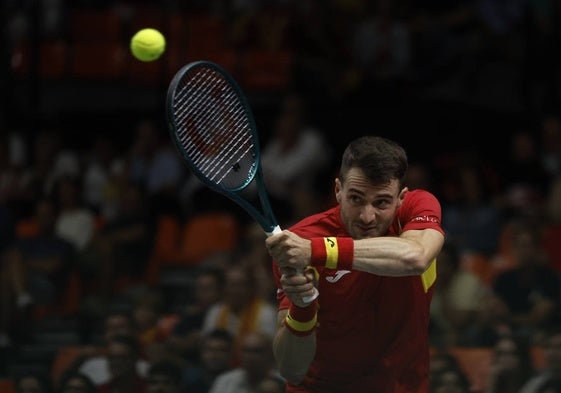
463	380
42	378
221	334
381	159
73	374
514	380
212	271
167	368
128	340
118	312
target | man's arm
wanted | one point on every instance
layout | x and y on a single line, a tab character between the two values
293	353
409	254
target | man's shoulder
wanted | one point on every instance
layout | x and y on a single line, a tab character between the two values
419	194
420	210
94	361
235	374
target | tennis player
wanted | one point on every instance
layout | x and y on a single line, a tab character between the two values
373	259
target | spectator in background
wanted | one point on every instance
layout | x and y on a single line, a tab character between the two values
121	250
254	255
523	178
471	218
293	159
146	313
216	354
164	377
156	167
550	376
75	222
490	324
122	356
442	360
528	292
33	383
256	364
450	380
240	311
186	334
76	382
36	269
456	302
50	161
38	176
271	385
511	365
96	364
101	167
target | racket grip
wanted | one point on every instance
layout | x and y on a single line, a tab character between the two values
306	299
309	299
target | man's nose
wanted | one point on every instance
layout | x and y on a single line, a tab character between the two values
368	214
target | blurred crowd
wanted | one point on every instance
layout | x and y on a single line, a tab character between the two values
120	272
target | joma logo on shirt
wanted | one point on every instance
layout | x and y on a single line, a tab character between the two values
337	276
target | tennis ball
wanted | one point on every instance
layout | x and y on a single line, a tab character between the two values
148	44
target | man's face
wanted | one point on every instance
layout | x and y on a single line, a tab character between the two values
216	354
238	290
256	355
122	362
161	383
367	210
117	324
207	290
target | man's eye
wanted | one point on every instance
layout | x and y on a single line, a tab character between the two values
356	200
382	203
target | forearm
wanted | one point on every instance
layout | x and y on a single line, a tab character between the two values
293	354
409	254
389	256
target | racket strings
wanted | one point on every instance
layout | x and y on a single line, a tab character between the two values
211	122
213	127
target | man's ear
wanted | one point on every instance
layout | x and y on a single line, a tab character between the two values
401	195
338	190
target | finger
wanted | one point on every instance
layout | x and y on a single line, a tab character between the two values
301	289
288	271
294	279
312	273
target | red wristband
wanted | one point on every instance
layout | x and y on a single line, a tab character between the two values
346	253
302	321
333	252
319	254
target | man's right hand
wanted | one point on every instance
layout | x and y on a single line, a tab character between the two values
298	286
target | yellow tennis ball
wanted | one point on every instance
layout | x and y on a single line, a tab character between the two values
148	44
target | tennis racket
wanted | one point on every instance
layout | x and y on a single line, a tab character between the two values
214	130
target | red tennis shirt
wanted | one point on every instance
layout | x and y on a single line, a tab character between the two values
372	333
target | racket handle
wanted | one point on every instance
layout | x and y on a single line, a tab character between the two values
306	299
